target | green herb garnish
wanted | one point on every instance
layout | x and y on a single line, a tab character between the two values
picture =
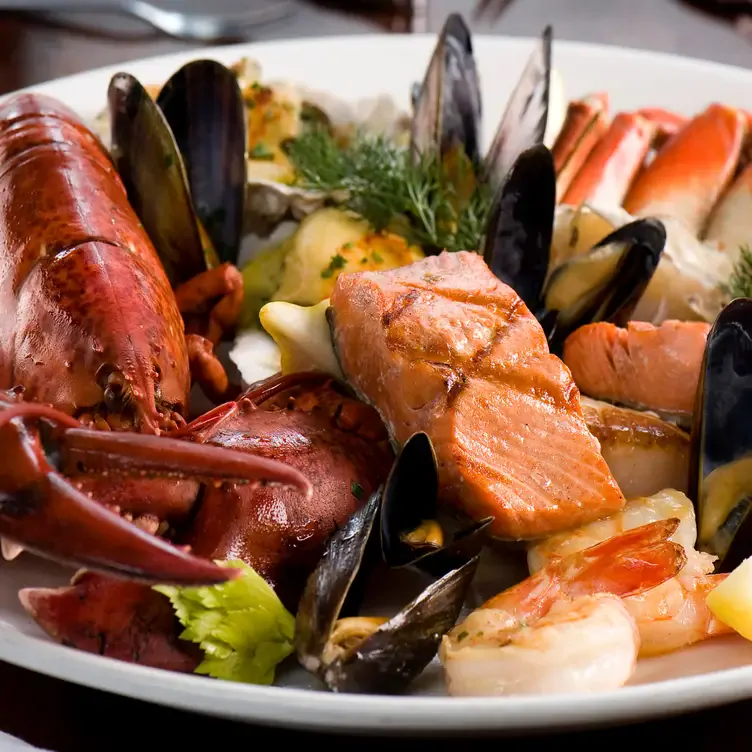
445	207
356	489
261	151
337	262
740	281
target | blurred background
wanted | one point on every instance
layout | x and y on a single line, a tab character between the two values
45	39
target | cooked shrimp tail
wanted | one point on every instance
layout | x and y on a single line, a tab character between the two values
676	615
628	564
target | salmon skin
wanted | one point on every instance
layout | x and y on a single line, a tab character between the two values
643	366
88	319
445	347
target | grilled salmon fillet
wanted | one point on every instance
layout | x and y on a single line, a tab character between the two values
643	366
443	346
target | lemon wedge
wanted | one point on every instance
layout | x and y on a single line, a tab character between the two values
731	601
303	337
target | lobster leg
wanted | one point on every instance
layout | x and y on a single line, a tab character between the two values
43	512
221	288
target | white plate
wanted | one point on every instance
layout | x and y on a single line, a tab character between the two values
713	673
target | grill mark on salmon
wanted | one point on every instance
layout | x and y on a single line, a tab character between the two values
468	363
641	366
400	306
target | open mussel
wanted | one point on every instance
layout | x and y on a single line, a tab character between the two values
447	107
203	105
182	161
721	461
396	526
603	284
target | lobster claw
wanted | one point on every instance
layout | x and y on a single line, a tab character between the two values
43	512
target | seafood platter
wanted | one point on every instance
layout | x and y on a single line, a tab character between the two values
311	397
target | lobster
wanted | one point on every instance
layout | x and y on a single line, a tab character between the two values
89	326
103	470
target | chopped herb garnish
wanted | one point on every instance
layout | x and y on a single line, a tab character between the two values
337	262
261	151
445	207
377	257
347	246
364	260
461	636
168	161
356	490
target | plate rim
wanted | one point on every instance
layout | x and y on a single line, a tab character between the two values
479	40
297	708
382	714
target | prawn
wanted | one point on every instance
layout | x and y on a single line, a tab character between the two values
565	628
673	615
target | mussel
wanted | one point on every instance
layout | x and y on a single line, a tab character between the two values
721	459
603	284
397	527
447	105
448	108
182	161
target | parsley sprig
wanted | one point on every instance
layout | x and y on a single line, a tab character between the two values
434	203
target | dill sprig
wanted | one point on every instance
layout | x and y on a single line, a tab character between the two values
740	281
434	203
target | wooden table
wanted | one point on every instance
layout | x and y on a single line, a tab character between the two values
67	718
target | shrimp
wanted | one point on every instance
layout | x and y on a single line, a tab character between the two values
663	505
585	645
564	628
673	615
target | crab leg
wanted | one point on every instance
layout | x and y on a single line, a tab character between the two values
688	176
612	165
667	124
729	224
42	511
583	127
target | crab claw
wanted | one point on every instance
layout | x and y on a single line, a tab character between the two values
41	511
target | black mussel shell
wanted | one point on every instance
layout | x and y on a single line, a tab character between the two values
398	651
391	655
327	589
410	501
606	283
203	105
150	165
447	109
721	462
523	124
520	226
